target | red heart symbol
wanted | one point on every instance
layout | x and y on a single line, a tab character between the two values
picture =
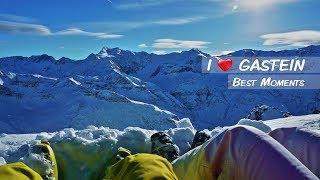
225	65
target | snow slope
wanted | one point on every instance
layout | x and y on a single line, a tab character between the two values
34	103
83	154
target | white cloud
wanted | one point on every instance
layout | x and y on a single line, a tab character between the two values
120	26
142	4
179	21
13	27
256	5
295	38
12	17
159	52
173	43
142	46
77	31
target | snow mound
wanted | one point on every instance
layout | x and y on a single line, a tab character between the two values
257	124
38	162
184	123
312	127
2	161
183	142
296	121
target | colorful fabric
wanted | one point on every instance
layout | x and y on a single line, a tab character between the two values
241	153
302	144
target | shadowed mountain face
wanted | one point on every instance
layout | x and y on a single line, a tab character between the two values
118	88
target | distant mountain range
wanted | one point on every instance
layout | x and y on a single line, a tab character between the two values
118	88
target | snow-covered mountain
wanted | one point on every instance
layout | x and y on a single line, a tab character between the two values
118	88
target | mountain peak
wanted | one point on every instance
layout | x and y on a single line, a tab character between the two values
195	49
106	49
91	57
113	52
43	57
105	53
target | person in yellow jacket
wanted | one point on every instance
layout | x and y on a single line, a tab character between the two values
141	166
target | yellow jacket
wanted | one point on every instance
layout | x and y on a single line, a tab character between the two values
142	166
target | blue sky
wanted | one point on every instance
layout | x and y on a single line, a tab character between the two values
77	28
